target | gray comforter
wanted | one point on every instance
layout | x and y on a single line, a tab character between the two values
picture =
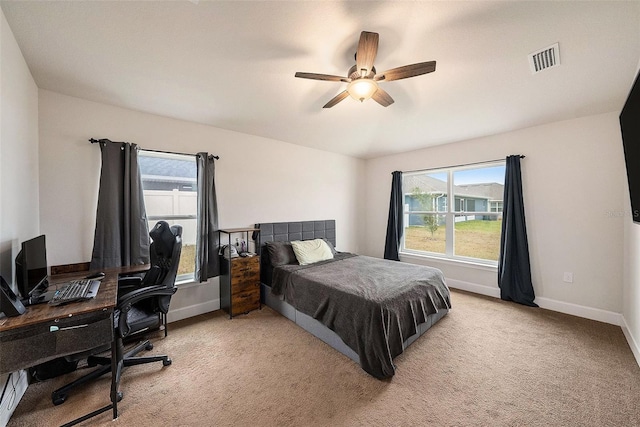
374	305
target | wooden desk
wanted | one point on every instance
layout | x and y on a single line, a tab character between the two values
47	332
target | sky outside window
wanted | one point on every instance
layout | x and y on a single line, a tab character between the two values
481	175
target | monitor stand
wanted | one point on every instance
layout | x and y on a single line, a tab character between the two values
40	298
10	305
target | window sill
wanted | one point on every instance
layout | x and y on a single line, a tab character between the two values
457	262
190	283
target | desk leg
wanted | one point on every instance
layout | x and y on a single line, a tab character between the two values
115	378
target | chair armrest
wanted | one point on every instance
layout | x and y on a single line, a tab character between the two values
133	275
129	280
128	284
126	301
144	293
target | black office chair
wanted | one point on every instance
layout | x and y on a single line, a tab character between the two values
143	303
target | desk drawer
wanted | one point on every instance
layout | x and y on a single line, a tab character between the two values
31	345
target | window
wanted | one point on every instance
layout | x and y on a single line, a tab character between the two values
169	183
454	213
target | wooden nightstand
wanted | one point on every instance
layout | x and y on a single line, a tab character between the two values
239	279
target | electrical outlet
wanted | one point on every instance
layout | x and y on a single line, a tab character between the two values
568	277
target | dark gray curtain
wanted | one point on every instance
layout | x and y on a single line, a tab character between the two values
514	269
122	234
207	240
394	223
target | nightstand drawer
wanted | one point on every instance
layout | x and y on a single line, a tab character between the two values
241	265
245	301
245	286
250	276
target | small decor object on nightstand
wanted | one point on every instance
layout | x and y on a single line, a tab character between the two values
239	275
228	251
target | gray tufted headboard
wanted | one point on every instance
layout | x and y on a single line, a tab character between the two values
288	231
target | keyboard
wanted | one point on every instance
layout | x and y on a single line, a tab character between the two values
75	290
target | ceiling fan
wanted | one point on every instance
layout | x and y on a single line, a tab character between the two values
362	77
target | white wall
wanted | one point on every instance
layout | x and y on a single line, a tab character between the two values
18	152
257	179
18	171
572	176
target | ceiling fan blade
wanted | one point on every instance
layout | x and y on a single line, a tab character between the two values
366	53
382	97
407	71
326	77
339	97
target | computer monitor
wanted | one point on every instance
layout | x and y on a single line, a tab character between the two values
31	267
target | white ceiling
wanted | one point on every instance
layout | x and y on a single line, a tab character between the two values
232	64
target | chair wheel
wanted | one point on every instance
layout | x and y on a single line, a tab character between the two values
58	399
149	346
119	396
166	362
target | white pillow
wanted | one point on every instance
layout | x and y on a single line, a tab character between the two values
310	251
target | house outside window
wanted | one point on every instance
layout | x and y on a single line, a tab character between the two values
454	213
169	183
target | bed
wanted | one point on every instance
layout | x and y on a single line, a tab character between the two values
367	308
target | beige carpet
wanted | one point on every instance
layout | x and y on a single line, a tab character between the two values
487	363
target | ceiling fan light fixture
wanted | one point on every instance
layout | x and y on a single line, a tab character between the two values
362	89
363	78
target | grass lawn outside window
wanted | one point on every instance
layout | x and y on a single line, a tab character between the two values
473	239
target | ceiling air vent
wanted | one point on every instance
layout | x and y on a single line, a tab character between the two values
548	57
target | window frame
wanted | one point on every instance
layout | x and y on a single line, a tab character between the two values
453	202
184	278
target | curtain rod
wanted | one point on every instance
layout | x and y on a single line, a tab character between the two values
93	141
466	164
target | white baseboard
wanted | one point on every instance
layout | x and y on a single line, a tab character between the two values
193	310
580	311
635	348
15	390
474	287
546	303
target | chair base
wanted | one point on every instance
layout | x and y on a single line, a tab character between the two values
129	358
